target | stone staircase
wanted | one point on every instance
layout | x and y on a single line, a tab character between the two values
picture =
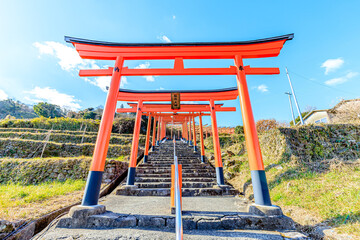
208	211
154	177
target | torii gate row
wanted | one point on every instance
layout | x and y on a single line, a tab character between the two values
238	51
141	108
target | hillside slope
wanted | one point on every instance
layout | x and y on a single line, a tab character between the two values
313	173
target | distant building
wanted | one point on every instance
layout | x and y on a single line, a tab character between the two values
317	116
344	112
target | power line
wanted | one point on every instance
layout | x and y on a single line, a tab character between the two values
332	88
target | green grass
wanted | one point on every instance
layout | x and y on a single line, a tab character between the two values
16	195
333	196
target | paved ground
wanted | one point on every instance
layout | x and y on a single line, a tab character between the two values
161	205
194	206
147	234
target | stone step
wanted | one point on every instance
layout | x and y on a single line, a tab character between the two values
184	166
184	175
153	179
135	214
168	170
186	192
168	184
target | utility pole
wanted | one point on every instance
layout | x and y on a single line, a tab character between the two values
293	93
291	107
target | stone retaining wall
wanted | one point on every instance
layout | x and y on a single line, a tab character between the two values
25	171
23	148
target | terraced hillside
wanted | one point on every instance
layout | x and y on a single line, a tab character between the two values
42	170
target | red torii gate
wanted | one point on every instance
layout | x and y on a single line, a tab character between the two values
164	95
89	49
195	108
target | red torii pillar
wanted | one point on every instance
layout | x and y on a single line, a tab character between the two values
158	132
185	131
194	133
147	142
190	136
135	146
93	183
163	129
154	135
217	150
202	140
258	177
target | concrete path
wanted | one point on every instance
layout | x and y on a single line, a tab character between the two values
197	207
154	234
149	205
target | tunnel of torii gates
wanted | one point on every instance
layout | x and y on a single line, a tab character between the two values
163	114
238	51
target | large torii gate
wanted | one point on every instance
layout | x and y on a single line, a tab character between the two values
164	95
89	49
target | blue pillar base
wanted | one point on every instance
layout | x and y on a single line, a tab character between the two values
131	176
190	143
195	149
202	159
153	148
145	158
220	176
157	143
92	189
260	187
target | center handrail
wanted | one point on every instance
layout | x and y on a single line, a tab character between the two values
178	211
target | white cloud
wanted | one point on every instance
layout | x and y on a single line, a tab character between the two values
150	78
3	95
174	17
52	96
103	82
68	57
336	81
161	88
331	65
340	80
164	38
123	82
143	66
262	88
352	74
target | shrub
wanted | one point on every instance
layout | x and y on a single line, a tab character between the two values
266	125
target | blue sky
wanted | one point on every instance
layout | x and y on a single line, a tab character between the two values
323	58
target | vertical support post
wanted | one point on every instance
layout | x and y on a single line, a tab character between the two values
202	140
93	183
190	137
172	125
258	177
291	108
158	133
217	150
154	135
172	188
194	133
134	146
163	129
185	131
147	142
